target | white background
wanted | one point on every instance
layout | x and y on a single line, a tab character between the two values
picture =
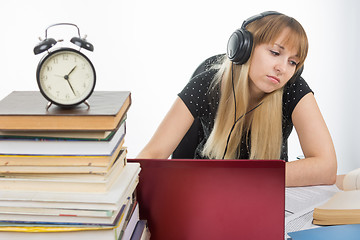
152	47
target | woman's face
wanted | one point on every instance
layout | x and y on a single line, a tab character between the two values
272	66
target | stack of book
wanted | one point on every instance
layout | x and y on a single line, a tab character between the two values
64	172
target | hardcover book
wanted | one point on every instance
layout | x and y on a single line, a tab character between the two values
101	160
61	147
123	186
68	231
26	110
73	179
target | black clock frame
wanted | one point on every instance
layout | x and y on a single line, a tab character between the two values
39	67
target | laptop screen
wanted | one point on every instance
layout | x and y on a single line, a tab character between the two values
212	199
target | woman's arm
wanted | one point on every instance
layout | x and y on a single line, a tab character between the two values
169	133
319	165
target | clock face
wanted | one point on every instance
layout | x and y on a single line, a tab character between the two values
66	77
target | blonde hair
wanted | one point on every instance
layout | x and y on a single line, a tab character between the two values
265	123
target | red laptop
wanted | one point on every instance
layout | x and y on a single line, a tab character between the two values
212	199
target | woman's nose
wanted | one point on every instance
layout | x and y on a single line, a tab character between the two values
280	66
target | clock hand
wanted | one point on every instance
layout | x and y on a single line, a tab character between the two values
72	70
70	86
67	76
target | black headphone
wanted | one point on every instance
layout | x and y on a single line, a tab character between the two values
240	43
50	42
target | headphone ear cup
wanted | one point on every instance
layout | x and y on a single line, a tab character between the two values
44	45
82	43
239	46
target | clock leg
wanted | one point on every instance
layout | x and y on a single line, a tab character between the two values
48	105
87	104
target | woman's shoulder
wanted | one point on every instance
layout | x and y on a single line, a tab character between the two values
196	94
201	81
293	93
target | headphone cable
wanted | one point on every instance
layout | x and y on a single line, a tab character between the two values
233	89
235	120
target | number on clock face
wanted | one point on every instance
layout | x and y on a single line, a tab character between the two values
66	77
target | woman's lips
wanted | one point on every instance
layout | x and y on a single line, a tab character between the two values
274	79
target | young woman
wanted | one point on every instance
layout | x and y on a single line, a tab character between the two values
249	103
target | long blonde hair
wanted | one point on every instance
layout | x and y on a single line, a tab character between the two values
265	123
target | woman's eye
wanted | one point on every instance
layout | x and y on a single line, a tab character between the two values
275	53
293	63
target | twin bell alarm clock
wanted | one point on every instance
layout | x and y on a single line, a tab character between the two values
65	76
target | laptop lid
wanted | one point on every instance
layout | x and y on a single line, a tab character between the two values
212	199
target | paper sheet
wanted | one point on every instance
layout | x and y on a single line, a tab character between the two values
300	203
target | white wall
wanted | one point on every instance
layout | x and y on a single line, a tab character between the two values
152	47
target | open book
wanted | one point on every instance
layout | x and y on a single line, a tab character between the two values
344	206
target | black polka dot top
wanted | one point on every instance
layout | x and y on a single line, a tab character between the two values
203	102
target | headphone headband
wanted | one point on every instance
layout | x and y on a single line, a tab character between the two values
258	16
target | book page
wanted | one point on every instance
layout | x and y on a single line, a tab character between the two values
343	200
300	203
352	180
